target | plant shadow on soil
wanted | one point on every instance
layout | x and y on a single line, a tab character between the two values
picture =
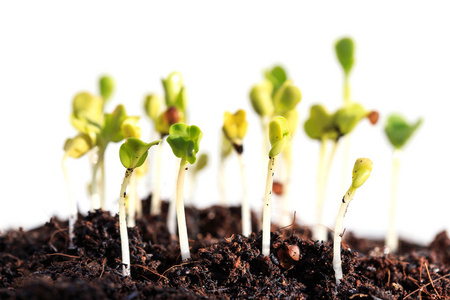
37	264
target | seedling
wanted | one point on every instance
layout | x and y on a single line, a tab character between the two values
361	171
345	54
106	86
324	127
184	141
174	112
278	96
133	152
278	137
235	128
398	132
74	147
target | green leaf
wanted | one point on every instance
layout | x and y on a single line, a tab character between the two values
345	53
399	131
152	106
277	76
261	98
106	84
78	146
173	86
87	113
133	152
346	118
319	125
361	171
278	135
286	97
112	128
185	141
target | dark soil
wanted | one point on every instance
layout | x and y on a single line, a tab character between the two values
37	264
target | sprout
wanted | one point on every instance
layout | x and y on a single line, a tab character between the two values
235	128
106	84
74	147
278	137
133	152
184	141
345	54
361	171
324	126
398	132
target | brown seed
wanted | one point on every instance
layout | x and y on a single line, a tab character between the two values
172	115
277	188
373	117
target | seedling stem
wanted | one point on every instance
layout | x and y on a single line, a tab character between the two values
123	225
181	219
266	209
392	236
245	208
155	208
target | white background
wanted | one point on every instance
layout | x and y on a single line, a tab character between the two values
51	50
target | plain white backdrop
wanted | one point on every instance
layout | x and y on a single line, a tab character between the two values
50	50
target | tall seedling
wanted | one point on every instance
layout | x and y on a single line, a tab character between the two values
235	128
185	142
133	152
398	132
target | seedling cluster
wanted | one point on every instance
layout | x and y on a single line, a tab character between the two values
275	101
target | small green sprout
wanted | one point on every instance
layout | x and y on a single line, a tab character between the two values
324	127
185	142
278	137
106	85
133	152
235	128
398	132
74	147
345	53
361	171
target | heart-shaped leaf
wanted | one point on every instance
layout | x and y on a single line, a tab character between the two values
399	131
133	152
185	141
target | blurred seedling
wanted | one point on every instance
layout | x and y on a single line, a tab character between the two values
234	129
361	171
184	141
398	132
75	148
133	153
278	136
325	127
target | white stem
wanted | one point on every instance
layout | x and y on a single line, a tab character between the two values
338	230
131	207
95	197
286	208
155	208
101	182
245	207
392	236
320	231
181	218
73	210
138	203
172	210
123	225
266	209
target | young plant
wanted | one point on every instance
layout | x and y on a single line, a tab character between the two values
325	127
345	54
184	141
361	171
278	137
106	86
74	147
174	112
278	96
133	152
398	132
235	128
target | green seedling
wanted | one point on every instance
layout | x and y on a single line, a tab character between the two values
106	86
74	147
235	128
345	49
398	132
361	171
133	152
174	112
325	127
278	136
184	141
278	96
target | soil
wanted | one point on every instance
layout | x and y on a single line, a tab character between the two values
37	264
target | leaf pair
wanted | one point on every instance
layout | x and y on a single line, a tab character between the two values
399	131
235	126
185	141
278	135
